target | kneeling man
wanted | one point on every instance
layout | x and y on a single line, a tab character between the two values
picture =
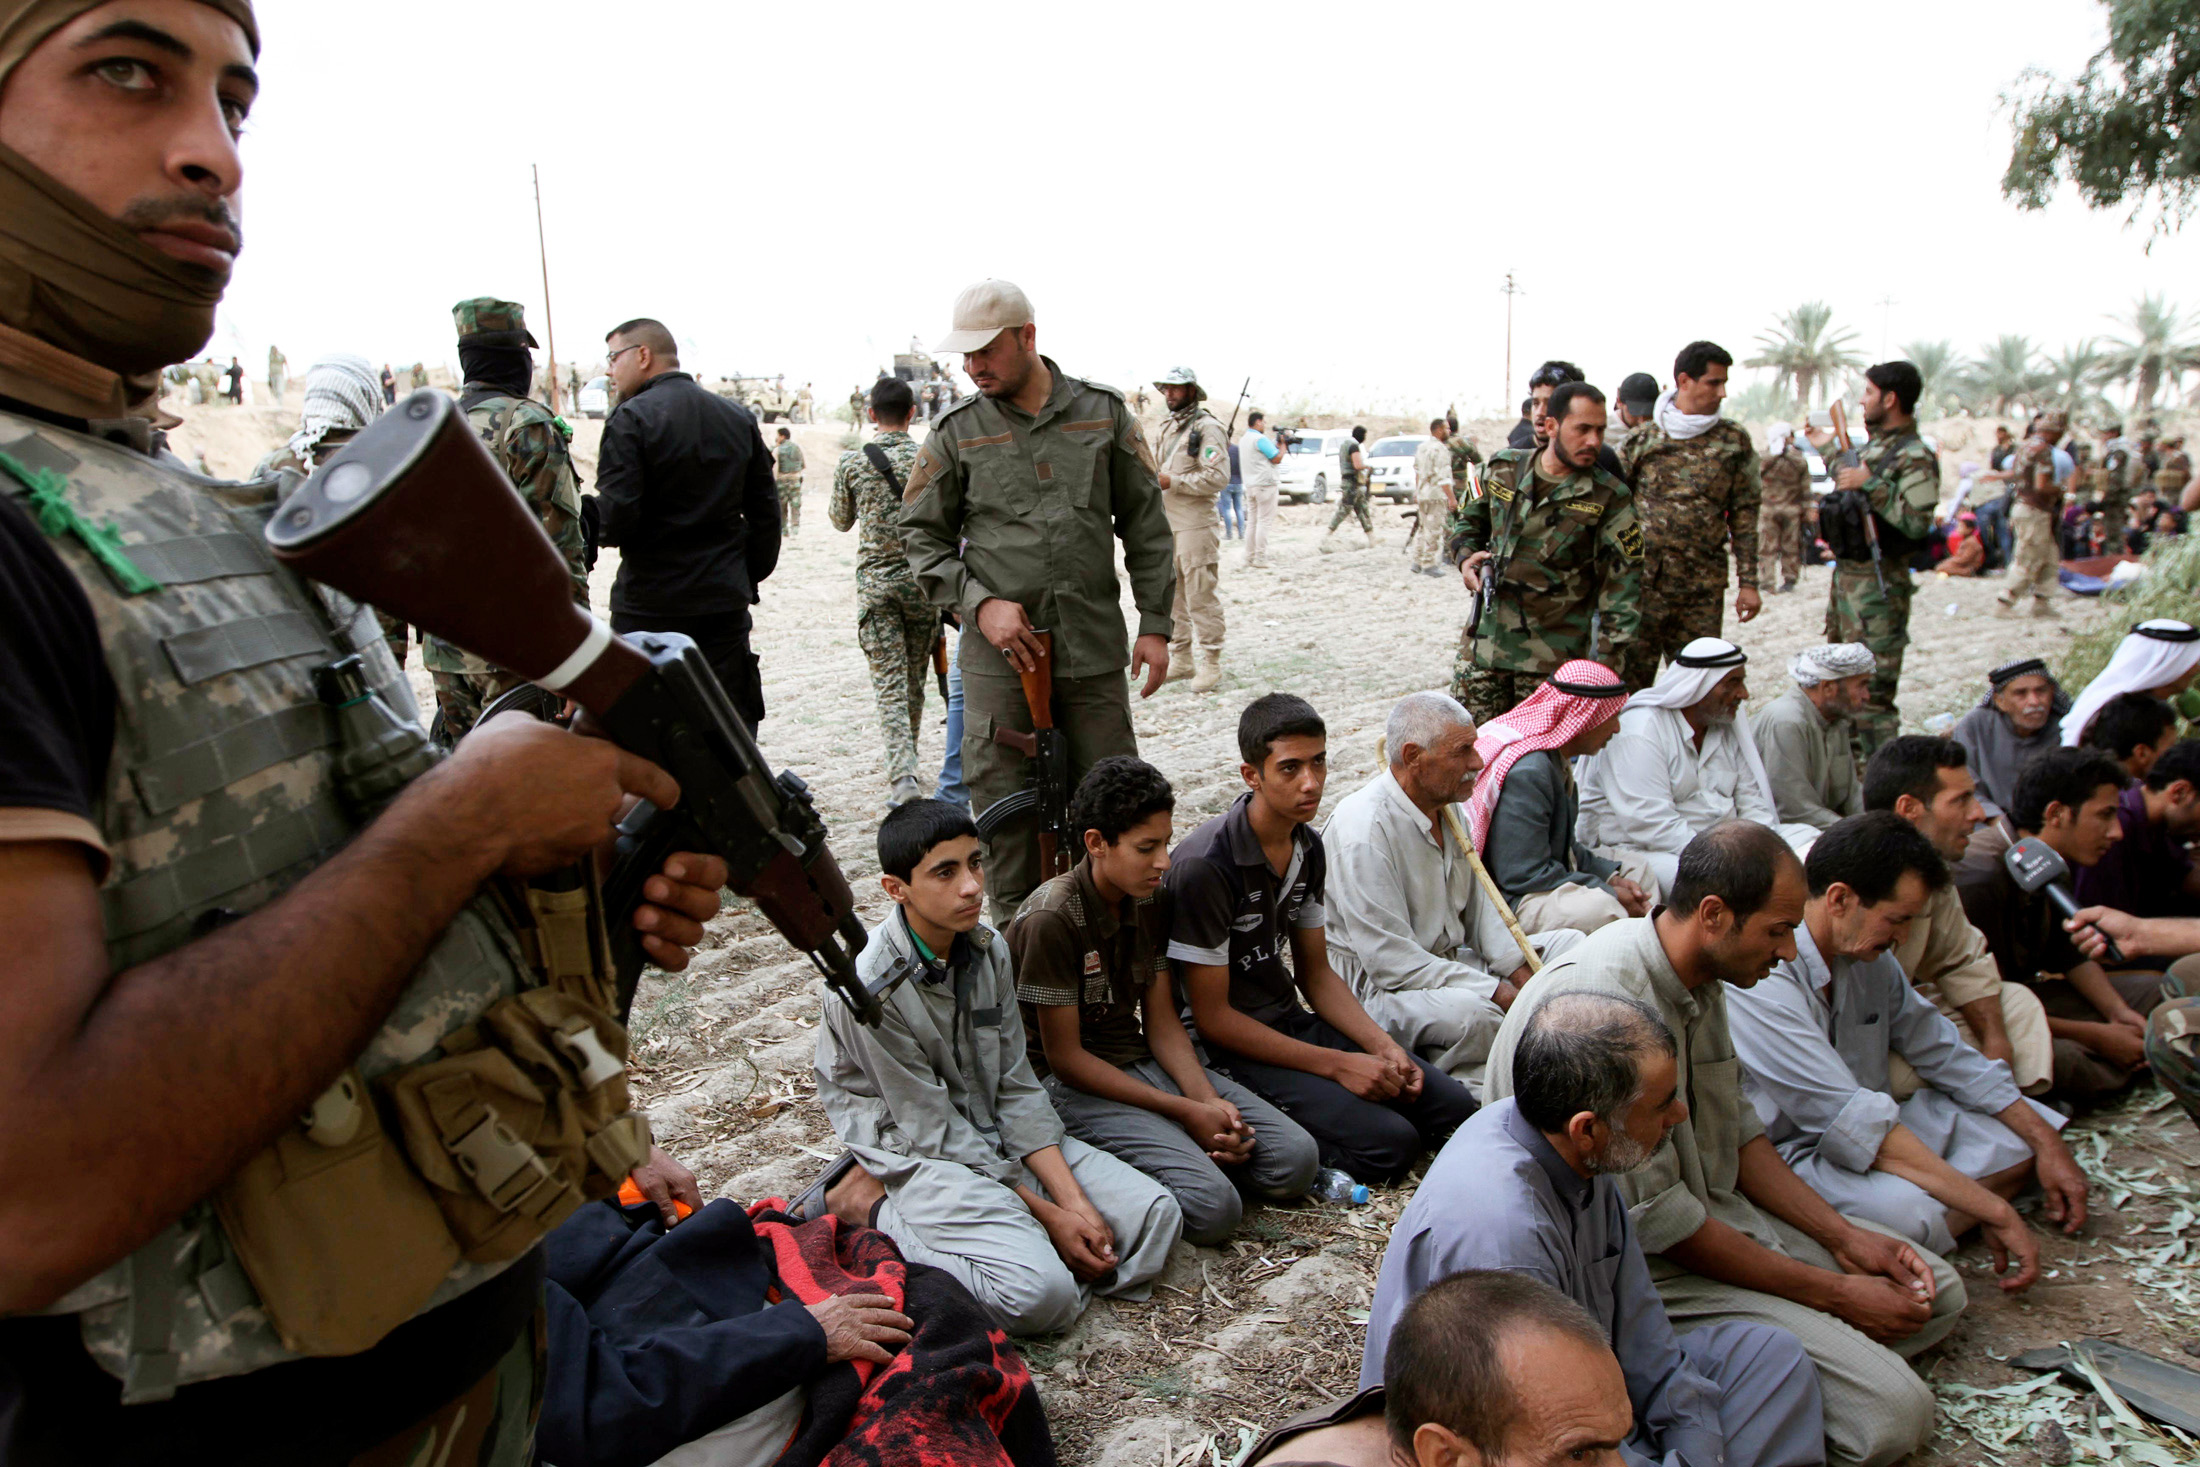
957	1154
1816	1038
1424	947
1528	1186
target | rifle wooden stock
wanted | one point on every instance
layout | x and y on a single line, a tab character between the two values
1042	747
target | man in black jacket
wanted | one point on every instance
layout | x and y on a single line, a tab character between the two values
685	490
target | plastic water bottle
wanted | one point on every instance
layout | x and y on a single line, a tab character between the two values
1334	1185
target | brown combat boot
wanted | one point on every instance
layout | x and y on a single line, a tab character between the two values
1210	672
1180	663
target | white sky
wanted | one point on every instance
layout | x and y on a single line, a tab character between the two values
1326	198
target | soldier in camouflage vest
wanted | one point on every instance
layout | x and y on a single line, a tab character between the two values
895	625
1555	538
1694	474
1900	479
530	443
240	935
1783	513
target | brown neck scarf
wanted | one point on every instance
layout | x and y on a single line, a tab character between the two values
89	313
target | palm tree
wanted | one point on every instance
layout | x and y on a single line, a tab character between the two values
1803	350
2155	351
1942	371
2006	372
2077	373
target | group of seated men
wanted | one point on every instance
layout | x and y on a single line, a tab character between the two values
1723	1037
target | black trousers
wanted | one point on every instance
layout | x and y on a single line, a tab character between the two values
723	639
1375	1140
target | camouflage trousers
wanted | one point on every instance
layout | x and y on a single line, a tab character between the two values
1858	611
2115	506
489	1424
1779	543
896	629
1675	612
1427	544
1490	692
2035	567
790	505
1351	502
464	685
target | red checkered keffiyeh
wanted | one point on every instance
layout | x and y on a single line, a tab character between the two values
1550	717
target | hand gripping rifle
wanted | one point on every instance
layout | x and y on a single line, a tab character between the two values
1046	788
414	517
1851	460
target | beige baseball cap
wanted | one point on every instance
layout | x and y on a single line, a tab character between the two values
983	312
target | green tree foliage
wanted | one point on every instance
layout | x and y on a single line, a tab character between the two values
2077	376
2007	371
2124	129
2155	351
1805	353
1941	369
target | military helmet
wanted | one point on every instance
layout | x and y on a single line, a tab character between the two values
1183	377
492	322
2173	1049
2054	420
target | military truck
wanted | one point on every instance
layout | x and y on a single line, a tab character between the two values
770	398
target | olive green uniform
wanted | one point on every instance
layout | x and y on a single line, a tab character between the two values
1564	555
1026	507
787	456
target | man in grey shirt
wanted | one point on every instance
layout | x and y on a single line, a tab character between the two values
1527	1186
1816	1038
1803	737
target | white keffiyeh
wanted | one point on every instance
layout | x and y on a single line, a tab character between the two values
343	394
1678	424
1830	664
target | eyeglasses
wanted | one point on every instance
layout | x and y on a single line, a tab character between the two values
622	351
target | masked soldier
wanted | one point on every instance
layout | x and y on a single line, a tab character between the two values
530	444
1193	450
264	1015
1553	539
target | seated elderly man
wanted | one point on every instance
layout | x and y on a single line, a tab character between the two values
1924	780
1524	810
1683	761
2159	658
1528	1186
1412	930
1803	738
1485	1369
1732	1233
2014	721
1815	1039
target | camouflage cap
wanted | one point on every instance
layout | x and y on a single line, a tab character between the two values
2054	420
1183	377
502	323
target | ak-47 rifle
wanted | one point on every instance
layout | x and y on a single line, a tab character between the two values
1851	460
939	655
414	517
1046	789
1231	427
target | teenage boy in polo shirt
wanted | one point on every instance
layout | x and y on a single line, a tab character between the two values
1242	886
1091	957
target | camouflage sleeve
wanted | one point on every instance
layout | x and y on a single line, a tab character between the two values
1466	450
1905	488
1741	516
540	466
842	511
1142	524
1619	578
931	529
1467	529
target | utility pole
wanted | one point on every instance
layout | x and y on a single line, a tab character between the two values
1509	290
549	326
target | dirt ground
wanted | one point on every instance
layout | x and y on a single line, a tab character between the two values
1239	1337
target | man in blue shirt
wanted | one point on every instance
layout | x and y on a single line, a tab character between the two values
1259	457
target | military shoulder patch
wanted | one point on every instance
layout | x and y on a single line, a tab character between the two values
1629	541
929	465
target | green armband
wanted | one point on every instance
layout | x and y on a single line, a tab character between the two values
57	517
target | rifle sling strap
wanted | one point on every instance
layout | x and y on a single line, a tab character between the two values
884	465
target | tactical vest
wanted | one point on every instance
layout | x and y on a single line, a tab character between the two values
491	1103
1347	477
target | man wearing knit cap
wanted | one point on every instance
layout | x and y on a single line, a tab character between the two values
1010	519
1525	806
1803	737
2017	718
529	444
1683	761
214	959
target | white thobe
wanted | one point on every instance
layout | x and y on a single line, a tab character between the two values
1653	790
